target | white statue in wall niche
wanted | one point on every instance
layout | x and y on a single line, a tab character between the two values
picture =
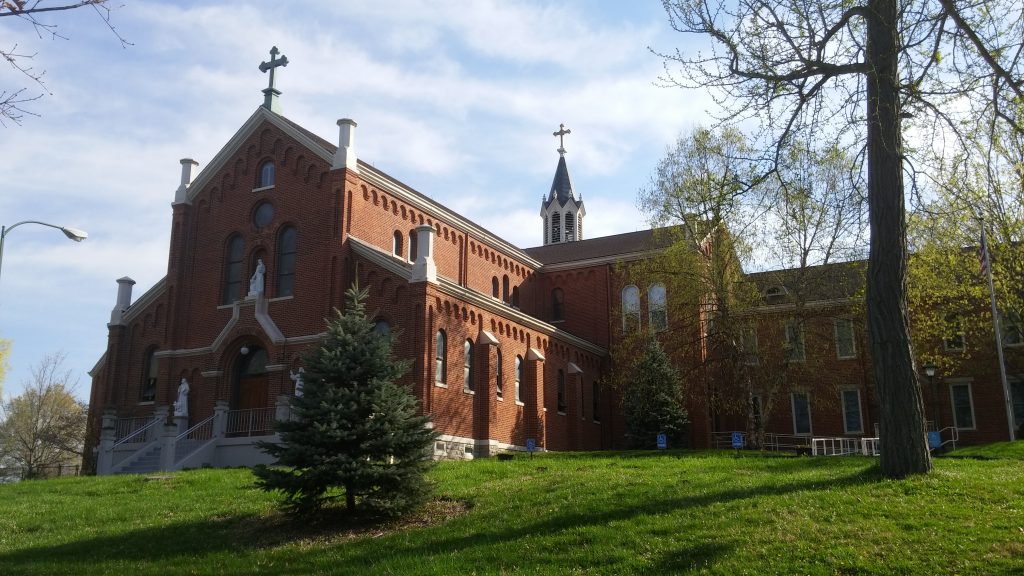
256	282
297	378
181	404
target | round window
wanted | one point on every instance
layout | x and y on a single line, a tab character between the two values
263	214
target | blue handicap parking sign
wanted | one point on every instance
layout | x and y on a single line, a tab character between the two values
737	440
531	444
662	441
934	440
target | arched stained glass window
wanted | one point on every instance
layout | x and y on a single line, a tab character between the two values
267	174
657	306
441	349
630	308
233	257
287	249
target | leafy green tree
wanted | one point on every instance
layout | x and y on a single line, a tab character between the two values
805	214
354	429
853	74
653	401
44	426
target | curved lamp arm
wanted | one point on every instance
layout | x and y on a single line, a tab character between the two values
72	233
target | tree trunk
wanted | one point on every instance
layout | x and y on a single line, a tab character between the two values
350	498
904	448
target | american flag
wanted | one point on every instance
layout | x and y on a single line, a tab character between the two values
983	255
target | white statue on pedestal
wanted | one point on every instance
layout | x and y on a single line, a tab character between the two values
256	282
297	378
181	404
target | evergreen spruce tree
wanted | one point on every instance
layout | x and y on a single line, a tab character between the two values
354	430
653	401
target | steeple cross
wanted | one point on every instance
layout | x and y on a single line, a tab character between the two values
562	131
274	63
271	92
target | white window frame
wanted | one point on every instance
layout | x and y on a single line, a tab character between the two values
970	400
860	411
654	307
628	311
792	408
853	339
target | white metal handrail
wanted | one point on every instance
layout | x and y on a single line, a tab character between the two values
201	431
127	426
251	420
140	431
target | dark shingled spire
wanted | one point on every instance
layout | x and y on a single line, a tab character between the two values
561	186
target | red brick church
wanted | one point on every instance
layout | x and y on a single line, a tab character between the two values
510	347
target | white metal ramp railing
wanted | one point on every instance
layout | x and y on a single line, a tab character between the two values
844	446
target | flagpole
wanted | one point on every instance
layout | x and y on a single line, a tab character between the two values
999	332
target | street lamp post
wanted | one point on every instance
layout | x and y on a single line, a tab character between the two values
72	233
929	370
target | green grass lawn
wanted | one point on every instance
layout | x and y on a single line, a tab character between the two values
598	513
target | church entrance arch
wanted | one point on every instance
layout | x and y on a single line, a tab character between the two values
249	386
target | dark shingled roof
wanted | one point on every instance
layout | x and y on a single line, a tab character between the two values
561	185
834	281
603	247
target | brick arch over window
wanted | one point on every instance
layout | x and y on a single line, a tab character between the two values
287	250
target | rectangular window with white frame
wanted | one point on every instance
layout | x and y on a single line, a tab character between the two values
852	421
795	349
963	405
846	346
801	404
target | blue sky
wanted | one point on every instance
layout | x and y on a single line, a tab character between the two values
456	99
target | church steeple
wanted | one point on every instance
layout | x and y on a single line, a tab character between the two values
562	210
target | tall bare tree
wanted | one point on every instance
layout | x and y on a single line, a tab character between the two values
849	74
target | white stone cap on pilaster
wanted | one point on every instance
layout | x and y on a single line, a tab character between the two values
124	300
188	173
424	269
345	155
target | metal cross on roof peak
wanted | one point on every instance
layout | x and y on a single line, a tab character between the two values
562	131
270	93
